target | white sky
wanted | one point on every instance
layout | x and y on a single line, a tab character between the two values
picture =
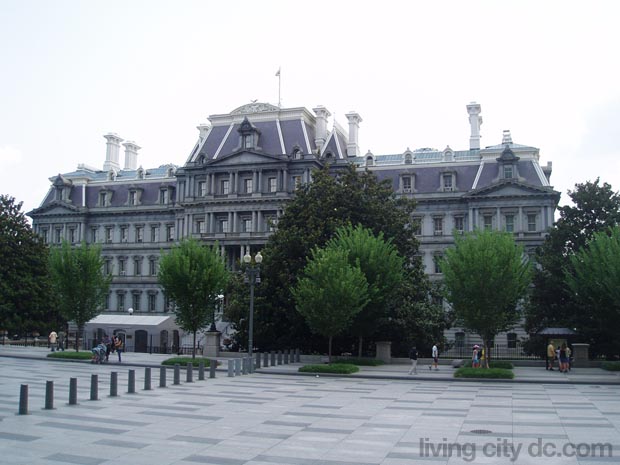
151	71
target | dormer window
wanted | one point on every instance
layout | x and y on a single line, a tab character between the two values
140	173
297	154
369	161
508	172
448	182
248	141
249	135
170	172
134	197
407	184
408	159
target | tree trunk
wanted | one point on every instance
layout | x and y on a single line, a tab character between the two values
487	353
329	350
194	346
77	338
359	346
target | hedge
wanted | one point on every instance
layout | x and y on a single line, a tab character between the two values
337	368
611	366
183	361
72	355
488	373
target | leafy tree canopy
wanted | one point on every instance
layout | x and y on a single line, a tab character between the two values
593	279
26	299
485	276
79	281
193	275
330	292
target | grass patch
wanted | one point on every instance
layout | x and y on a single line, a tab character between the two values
71	355
611	366
368	362
336	368
487	373
183	361
501	364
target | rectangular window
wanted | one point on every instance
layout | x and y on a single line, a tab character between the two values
201	227
247	186
438	226
510	223
531	222
57	235
416	226
124	233
136	302
248	141
459	224
121	267
137	266
153	266
447	182
488	222
139	234
93	235
44	233
273	186
202	188
170	233
163	197
297	181
436	259
107	266
407	184
152	301
132	197
107	301
511	339
507	171
120	300
224	226
247	225
108	235
224	186
72	235
154	233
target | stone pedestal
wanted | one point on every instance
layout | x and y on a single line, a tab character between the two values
212	344
581	355
384	351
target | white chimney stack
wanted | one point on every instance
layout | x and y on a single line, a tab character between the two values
112	150
475	120
355	119
322	114
506	137
131	155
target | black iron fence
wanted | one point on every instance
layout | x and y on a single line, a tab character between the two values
498	351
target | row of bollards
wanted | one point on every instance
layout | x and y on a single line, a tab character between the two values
131	384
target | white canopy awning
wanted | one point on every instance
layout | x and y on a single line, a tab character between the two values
132	322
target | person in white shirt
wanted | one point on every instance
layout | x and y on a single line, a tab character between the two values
435	354
53	337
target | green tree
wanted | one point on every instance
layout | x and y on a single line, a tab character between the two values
593	279
26	299
193	275
330	293
383	268
485	276
594	208
79	281
332	200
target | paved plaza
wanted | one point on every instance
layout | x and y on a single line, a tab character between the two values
271	418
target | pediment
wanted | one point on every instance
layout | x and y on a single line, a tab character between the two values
245	158
54	208
509	189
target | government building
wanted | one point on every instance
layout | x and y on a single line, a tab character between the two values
236	182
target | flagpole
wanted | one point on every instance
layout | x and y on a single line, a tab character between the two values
279	88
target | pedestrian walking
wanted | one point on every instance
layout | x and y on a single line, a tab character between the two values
435	355
413	356
53	338
550	356
118	346
475	357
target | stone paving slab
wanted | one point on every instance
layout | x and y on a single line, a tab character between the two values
302	420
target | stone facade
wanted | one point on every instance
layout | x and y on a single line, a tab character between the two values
246	166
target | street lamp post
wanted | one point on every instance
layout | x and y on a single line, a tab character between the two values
252	276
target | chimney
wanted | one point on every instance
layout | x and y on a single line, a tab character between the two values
322	114
354	124
475	120
111	154
203	130
506	137
131	155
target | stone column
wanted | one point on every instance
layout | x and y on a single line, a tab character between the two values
581	357
212	344
384	351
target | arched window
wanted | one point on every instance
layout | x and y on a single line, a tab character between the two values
408	159
369	161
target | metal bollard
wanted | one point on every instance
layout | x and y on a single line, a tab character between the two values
23	400
113	384
279	357
266	359
94	387
212	367
49	395
286	355
177	374
190	373
273	358
231	368
147	379
257	365
297	356
244	366
72	391
162	377
237	367
201	371
131	382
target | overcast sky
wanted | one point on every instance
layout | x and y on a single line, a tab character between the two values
151	71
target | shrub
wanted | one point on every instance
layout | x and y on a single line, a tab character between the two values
337	368
86	355
501	364
369	362
493	373
611	366
183	361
